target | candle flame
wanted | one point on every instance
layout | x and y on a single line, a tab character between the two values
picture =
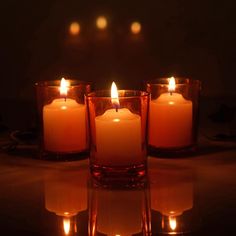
101	22
66	225
172	222
171	86
114	95
64	87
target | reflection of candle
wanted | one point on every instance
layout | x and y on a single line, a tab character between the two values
64	124
66	196
170	120
119	212
66	192
171	192
118	136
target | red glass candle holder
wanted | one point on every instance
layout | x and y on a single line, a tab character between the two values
62	119
173	115
118	135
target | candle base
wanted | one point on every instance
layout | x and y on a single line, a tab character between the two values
130	176
54	156
174	152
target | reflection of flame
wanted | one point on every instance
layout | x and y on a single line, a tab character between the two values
172	222
74	28
135	27
64	87
101	22
171	86
114	95
66	225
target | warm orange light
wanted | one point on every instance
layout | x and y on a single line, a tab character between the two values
114	95
171	86
64	87
74	28
101	22
135	27
172	222
66	225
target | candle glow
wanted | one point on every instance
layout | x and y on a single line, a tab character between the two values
101	22
74	28
135	27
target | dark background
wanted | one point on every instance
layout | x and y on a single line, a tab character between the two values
195	39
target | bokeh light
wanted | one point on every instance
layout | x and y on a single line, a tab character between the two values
101	22
135	27
74	28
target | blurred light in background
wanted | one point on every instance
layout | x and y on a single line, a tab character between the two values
135	27
74	28
101	22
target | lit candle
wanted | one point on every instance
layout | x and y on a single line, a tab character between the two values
118	135
64	124
170	120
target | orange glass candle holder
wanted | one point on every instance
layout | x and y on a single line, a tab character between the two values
173	115
118	135
62	118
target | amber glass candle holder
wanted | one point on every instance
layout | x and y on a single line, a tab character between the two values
173	115
118	134
63	119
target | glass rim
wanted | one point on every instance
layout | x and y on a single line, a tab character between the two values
178	80
56	83
122	94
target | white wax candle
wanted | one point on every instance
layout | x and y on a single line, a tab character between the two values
170	121
118	138
64	124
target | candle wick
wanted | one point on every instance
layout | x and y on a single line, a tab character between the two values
65	99
116	109
170	93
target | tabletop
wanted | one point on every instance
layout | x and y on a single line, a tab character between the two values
194	195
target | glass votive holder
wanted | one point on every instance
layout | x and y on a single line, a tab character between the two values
118	135
173	115
62	119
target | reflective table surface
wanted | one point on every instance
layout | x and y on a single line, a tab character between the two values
195	195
